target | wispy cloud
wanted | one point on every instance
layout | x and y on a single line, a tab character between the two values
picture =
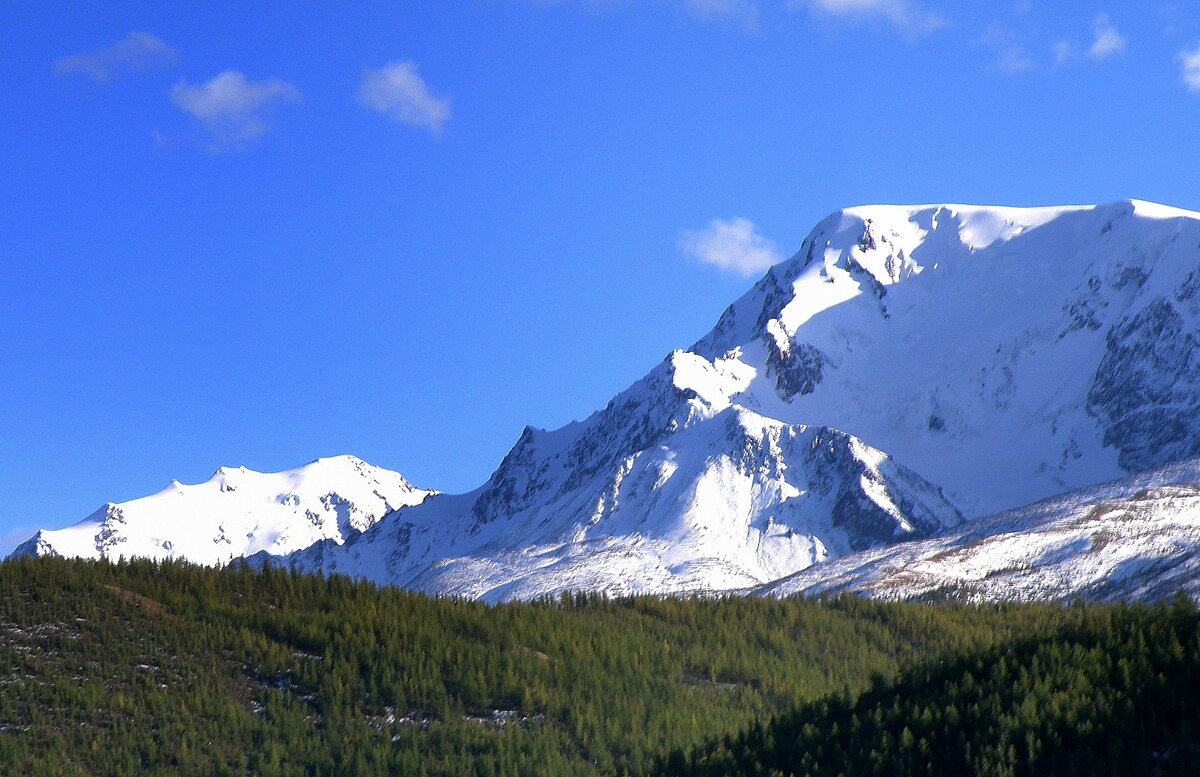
137	51
732	245
1107	41
906	15
232	109
1011	55
398	91
745	11
1013	60
1190	63
1064	51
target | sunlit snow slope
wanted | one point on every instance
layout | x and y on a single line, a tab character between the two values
1134	538
236	513
669	488
1005	354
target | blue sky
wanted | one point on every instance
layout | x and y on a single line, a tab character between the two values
257	233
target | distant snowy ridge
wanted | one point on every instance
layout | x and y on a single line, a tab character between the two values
236	513
1137	538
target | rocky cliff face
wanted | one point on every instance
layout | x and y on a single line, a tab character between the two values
1147	386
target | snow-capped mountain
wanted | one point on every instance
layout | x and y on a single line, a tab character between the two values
236	513
1004	354
908	367
669	488
1134	538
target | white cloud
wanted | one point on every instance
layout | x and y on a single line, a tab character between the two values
399	92
136	51
232	109
1108	41
906	15
1190	62
733	245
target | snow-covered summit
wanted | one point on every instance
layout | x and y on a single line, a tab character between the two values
1005	353
237	512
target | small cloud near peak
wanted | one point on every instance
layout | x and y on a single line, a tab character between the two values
1108	41
135	52
398	91
732	245
231	108
1189	62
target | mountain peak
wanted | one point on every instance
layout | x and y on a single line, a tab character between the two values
1155	210
923	329
906	360
238	512
339	460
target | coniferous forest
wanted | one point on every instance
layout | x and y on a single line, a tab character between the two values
143	668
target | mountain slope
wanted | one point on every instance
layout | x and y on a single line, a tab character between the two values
1005	354
236	513
669	488
1137	538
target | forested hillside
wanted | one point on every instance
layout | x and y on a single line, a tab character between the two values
144	668
148	668
1112	691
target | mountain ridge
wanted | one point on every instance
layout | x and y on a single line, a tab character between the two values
237	512
908	367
